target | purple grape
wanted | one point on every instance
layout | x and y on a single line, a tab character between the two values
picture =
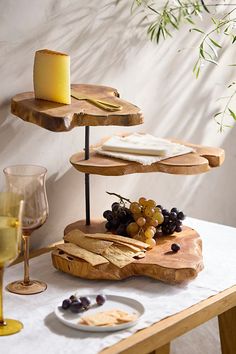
76	306
178	222
166	219
173	215
115	207
101	299
178	229
73	298
181	215
165	212
174	210
106	213
109	216
85	300
108	226
66	304
175	247
160	206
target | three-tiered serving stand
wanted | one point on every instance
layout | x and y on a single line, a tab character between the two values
59	117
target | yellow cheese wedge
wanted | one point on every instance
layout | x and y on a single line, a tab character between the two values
52	76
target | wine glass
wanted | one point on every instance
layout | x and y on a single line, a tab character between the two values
28	181
10	240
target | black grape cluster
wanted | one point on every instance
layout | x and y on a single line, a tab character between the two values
172	220
118	218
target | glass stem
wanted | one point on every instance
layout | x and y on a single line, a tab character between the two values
26	260
2	322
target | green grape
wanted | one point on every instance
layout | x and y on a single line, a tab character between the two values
137	216
149	233
151	242
135	208
142	201
149	212
153	228
151	203
141	221
158	216
132	229
154	222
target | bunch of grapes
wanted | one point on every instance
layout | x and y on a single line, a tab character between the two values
118	218
143	220
172	221
147	217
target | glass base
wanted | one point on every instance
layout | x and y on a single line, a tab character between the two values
10	327
34	287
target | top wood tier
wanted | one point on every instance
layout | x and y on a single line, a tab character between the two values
60	117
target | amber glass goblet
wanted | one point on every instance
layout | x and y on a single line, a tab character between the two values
10	240
28	181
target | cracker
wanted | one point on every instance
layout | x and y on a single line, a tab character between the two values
78	238
108	318
111	237
119	255
132	247
76	251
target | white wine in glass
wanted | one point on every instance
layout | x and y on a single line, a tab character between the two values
28	181
11	209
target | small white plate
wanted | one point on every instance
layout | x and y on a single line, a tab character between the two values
113	302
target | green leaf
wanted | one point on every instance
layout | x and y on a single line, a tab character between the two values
195	66
158	35
152	33
214	20
204	6
211	61
196	29
232	113
198	72
151	27
190	21
201	50
215	43
234	39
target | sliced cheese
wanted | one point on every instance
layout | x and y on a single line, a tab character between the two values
141	144
52	76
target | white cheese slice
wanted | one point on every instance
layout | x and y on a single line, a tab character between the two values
141	144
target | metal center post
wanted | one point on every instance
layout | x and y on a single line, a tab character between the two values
87	186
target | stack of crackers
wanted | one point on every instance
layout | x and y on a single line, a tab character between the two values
108	318
101	248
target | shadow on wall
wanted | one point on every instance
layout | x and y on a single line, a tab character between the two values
107	46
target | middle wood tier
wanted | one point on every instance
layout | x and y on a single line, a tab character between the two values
200	161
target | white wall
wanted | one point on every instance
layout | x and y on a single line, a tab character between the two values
107	47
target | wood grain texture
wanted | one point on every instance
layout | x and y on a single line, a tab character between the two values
159	263
201	161
227	327
164	331
59	117
162	350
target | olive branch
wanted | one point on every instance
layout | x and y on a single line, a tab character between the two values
165	19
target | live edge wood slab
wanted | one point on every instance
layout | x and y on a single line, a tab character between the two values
60	117
159	263
200	161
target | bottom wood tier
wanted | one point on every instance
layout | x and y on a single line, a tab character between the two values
159	263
